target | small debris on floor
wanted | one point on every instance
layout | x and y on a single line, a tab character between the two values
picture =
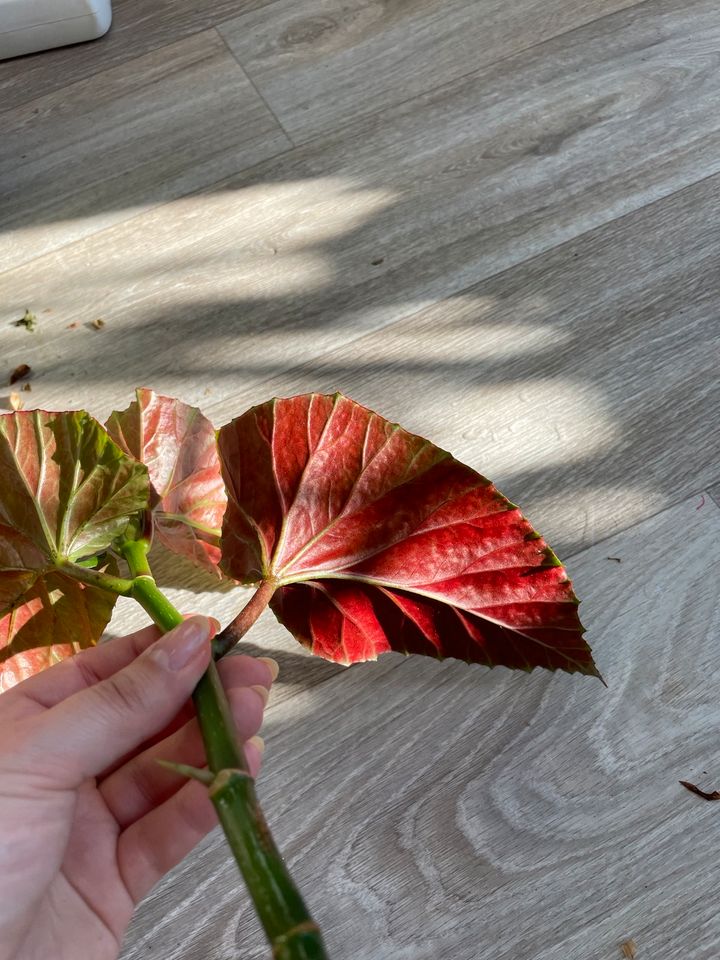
22	372
714	795
377	261
72	326
27	387
616	559
702	502
28	320
98	324
629	949
16	401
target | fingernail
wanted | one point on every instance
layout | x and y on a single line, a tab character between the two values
259	744
272	665
176	649
262	692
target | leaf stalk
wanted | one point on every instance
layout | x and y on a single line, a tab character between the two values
236	630
98	578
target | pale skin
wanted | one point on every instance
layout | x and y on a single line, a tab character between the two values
89	821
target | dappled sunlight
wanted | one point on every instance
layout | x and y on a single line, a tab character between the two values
271	287
582	521
20	243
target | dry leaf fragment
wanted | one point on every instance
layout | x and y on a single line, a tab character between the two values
28	320
16	401
20	373
629	949
98	324
715	795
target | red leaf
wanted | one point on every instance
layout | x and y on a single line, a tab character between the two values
380	541
177	444
35	631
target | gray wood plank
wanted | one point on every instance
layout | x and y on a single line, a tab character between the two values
101	150
320	64
583	381
138	27
343	236
439	810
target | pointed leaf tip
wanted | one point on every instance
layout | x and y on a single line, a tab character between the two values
178	445
381	541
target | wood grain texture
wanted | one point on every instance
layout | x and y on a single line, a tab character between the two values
520	264
97	152
228	287
320	64
138	27
582	382
471	813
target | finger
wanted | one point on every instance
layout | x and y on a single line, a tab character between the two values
235	671
85	668
141	784
158	841
81	736
238	670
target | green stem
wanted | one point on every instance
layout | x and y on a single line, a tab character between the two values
98	578
289	927
136	554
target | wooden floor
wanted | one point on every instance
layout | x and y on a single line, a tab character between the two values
500	225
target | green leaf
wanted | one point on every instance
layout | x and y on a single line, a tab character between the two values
67	492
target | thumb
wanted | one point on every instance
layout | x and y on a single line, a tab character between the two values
94	728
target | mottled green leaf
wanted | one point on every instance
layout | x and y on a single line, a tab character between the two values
67	491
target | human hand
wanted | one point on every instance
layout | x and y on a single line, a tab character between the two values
89	822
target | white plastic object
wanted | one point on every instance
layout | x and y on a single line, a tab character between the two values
27	26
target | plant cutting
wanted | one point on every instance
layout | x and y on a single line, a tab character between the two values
361	537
